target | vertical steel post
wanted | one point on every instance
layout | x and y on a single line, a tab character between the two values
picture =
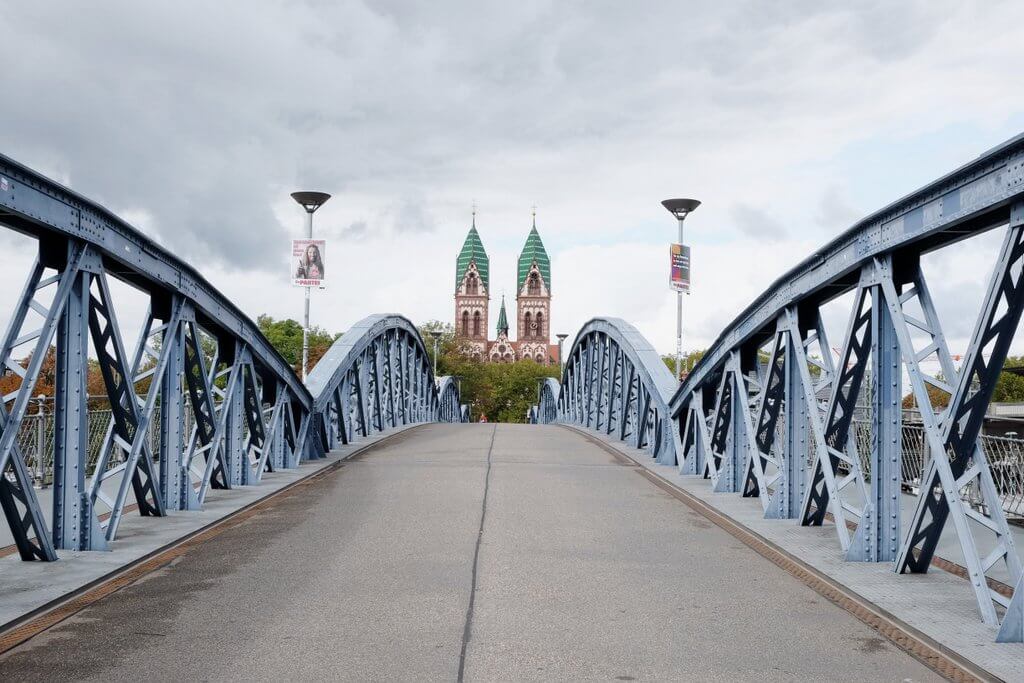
881	523
679	314
74	524
796	445
40	476
305	316
174	476
235	405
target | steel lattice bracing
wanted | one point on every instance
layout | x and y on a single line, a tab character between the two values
375	377
614	383
546	410
199	399
768	412
184	383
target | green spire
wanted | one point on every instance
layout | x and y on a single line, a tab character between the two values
533	251
502	318
473	250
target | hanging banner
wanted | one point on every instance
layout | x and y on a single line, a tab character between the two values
679	277
308	263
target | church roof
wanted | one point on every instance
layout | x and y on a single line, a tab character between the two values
502	318
473	250
532	251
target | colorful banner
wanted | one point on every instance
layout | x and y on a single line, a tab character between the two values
308	263
679	278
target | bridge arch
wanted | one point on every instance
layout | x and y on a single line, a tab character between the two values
615	383
377	376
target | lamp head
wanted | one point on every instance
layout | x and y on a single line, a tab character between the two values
311	201
561	337
680	207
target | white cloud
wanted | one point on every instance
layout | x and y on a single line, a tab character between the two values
197	130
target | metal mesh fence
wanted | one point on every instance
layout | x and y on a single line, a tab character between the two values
35	440
1005	458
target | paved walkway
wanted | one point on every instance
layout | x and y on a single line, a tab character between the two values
484	552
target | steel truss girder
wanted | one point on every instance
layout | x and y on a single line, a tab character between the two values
830	489
614	383
17	497
377	376
957	460
549	400
971	199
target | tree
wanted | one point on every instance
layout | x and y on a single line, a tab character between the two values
690	359
447	344
503	392
286	336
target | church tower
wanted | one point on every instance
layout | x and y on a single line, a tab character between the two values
533	299
472	291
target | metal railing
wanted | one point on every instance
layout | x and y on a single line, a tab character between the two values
35	441
1005	459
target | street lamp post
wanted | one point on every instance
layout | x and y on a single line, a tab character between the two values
561	362
436	335
680	208
310	201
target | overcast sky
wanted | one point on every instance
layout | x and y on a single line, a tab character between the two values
194	121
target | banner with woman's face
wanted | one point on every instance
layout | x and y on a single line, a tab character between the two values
308	263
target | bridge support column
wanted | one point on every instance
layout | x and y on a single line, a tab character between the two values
236	418
796	451
175	483
878	533
75	526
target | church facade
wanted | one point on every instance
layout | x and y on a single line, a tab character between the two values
533	303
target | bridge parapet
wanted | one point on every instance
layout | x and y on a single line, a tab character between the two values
614	382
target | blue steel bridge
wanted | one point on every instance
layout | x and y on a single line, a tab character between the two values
789	519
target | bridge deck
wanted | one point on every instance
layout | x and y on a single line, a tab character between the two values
581	568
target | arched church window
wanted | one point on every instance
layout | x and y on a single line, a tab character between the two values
540	326
476	324
533	284
465	323
471	284
527	323
540	357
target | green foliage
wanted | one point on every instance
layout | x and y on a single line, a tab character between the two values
1010	387
286	336
447	345
503	392
690	359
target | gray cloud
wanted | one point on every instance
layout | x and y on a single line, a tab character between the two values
757	223
202	117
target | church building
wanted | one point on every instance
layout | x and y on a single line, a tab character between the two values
533	303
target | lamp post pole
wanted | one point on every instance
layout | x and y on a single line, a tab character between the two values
680	208
561	361
310	201
436	336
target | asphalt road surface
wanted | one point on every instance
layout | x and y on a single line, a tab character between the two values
476	552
